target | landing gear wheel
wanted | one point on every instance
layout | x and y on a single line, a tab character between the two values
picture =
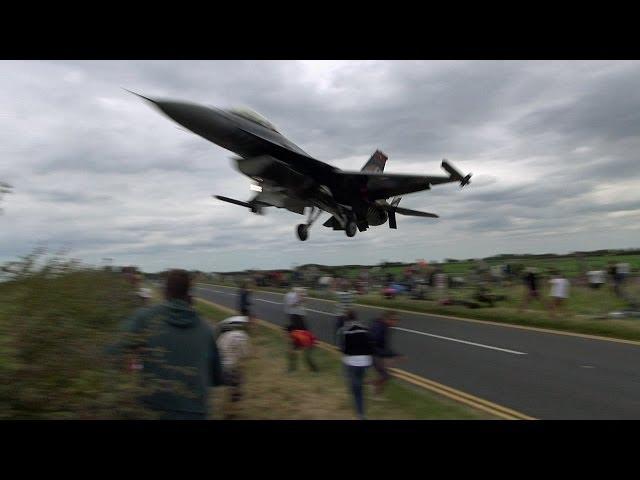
351	228
303	232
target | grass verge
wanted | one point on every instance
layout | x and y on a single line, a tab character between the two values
271	393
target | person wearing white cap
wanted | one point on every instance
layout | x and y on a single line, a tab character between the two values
233	344
145	294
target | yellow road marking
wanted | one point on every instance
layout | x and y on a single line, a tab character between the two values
472	320
444	390
463	397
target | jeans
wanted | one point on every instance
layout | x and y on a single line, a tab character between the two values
355	377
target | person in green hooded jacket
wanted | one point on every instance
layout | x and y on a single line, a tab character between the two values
176	351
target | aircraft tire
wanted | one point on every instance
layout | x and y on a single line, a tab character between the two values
303	232
351	228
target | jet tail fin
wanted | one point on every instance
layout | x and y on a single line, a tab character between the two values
376	163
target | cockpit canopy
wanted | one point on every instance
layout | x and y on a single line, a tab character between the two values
254	117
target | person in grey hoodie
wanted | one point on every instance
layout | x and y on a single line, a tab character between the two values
177	353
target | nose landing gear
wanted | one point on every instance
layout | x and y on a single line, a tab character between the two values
303	229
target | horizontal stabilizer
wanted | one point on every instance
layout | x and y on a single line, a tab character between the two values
455	174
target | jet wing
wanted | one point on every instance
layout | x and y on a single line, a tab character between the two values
414	213
282	200
385	185
266	167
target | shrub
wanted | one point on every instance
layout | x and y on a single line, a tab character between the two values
56	324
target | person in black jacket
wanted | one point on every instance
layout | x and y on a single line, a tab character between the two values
355	343
244	302
531	282
382	352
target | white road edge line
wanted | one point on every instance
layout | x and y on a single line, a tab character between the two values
506	350
461	341
280	303
218	291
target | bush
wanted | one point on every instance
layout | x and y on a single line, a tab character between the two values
56	323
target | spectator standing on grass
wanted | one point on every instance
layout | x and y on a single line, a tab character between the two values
622	271
531	287
299	336
383	355
145	295
177	353
233	343
142	295
559	292
441	283
324	283
355	343
343	304
596	278
244	300
614	277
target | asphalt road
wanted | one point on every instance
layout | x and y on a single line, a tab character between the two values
543	375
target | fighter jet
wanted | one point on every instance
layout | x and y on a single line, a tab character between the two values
285	176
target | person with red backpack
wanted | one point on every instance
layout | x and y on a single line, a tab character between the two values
300	337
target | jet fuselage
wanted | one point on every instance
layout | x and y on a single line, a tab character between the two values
290	178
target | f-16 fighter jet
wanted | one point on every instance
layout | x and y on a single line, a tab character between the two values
285	176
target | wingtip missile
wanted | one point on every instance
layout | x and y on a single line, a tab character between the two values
254	206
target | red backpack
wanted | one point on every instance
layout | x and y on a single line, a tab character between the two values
303	338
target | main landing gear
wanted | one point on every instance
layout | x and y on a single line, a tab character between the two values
303	229
303	232
350	228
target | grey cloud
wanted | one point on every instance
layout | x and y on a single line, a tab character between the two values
96	169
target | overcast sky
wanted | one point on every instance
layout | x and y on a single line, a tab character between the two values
552	145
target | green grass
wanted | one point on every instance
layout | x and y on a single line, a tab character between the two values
570	266
615	328
271	393
55	326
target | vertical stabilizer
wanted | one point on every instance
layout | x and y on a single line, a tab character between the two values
376	163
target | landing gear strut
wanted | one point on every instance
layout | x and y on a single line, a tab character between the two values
303	229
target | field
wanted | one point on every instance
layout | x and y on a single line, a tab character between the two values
568	265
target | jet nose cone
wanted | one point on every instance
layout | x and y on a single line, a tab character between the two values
181	112
207	122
